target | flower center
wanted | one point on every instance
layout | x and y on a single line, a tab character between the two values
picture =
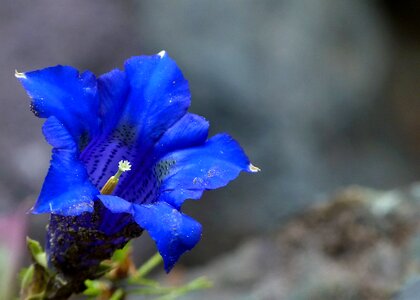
110	185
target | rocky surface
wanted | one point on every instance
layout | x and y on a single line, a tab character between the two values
361	245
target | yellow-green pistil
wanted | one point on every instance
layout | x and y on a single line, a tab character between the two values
109	187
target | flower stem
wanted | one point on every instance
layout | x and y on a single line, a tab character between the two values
149	265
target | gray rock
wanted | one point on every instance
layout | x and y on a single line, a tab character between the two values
346	248
411	290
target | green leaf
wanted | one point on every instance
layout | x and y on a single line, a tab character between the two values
37	253
117	295
121	255
26	275
103	268
34	282
93	288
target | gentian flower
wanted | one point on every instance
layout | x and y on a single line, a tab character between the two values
126	155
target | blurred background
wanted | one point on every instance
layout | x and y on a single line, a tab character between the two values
322	94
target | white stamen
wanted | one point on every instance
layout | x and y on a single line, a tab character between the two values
253	168
124	165
162	53
108	188
19	75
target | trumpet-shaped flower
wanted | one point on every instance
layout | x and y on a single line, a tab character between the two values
126	154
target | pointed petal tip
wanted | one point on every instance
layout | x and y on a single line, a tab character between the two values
253	168
168	268
19	74
162	53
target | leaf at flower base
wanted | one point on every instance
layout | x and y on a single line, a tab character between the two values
121	255
26	275
37	253
93	288
122	264
36	278
103	268
117	295
34	283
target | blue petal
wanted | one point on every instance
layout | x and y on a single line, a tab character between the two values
113	91
207	167
67	189
64	93
191	130
116	204
177	197
173	232
157	97
142	184
115	214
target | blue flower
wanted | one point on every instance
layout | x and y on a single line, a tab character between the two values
137	115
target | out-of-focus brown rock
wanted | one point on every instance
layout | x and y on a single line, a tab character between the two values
353	222
362	244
